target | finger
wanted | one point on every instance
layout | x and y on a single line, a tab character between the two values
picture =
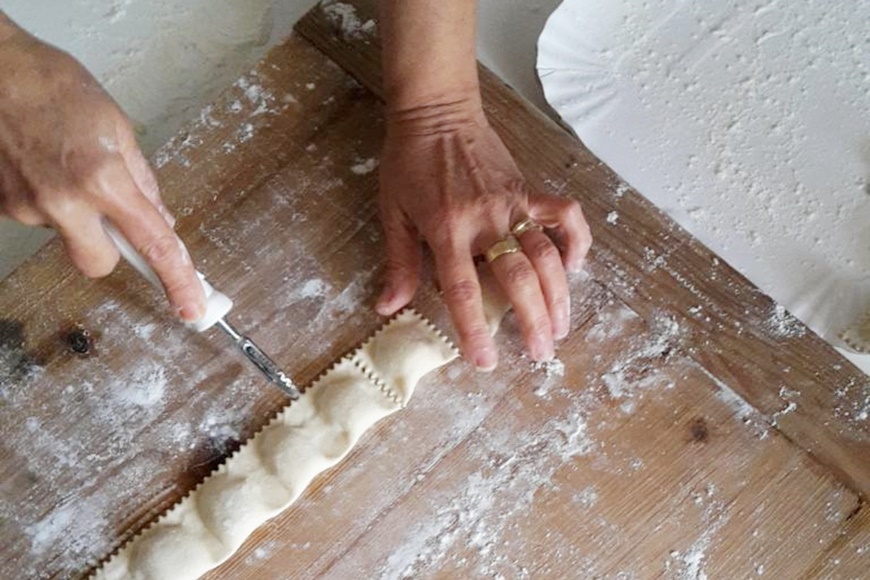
462	294
402	274
566	216
89	248
520	281
143	175
547	261
140	222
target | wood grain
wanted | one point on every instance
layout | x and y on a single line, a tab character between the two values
736	332
639	458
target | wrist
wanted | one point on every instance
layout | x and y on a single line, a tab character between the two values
436	113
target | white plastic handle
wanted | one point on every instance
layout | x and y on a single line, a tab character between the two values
217	304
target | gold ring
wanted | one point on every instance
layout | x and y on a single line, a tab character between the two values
526	225
509	245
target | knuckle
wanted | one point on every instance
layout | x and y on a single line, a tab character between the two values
519	187
397	267
572	211
96	172
520	274
474	333
461	291
161	249
540	324
58	205
560	302
543	249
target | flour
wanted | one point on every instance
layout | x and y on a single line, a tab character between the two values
144	388
784	325
611	323
514	467
635	369
364	167
586	498
689	564
344	16
853	402
553	371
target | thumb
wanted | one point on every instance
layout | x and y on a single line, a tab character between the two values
402	273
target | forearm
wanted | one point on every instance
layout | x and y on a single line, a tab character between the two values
429	53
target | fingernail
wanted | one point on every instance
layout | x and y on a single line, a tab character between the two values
542	349
190	313
384	302
561	325
486	361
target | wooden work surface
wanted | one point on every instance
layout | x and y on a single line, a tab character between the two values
695	430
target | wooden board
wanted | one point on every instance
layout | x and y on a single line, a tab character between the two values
639	458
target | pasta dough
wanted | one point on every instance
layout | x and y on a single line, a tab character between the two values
273	469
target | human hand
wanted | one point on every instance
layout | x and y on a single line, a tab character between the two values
69	160
446	177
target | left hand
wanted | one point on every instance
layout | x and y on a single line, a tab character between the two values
447	177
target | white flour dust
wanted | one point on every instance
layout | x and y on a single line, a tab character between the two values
80	525
554	373
635	369
515	466
365	167
344	16
689	563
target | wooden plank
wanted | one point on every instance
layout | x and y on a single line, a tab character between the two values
93	447
276	205
594	473
849	557
816	397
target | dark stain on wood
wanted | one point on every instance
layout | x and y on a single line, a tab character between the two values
16	364
699	431
78	340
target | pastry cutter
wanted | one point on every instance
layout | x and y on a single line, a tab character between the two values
218	305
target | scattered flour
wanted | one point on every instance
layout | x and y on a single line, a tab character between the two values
553	370
853	402
365	167
788	397
344	16
689	564
586	498
514	467
783	324
144	387
636	368
611	323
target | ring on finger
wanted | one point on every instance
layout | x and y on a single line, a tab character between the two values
526	225
508	245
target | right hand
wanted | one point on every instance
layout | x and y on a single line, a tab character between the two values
69	160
